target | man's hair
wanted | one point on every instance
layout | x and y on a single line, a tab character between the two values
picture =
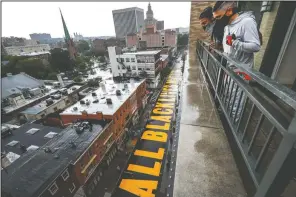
206	13
217	5
223	5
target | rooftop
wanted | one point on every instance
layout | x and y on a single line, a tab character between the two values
127	9
34	53
143	53
36	170
29	134
98	103
13	83
43	104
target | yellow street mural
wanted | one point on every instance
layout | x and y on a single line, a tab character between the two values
143	173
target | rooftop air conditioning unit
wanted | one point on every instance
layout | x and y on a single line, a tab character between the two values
87	103
118	92
75	108
94	94
82	102
109	101
49	101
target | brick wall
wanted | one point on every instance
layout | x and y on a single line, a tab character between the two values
266	26
196	31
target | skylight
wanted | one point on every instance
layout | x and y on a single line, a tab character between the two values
13	143
50	135
32	131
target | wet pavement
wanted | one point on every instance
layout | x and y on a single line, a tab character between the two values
205	166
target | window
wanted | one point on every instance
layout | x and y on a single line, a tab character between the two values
55	109
65	175
122	59
82	166
53	188
147	68
139	61
127	59
73	188
89	152
134	68
139	68
133	59
118	59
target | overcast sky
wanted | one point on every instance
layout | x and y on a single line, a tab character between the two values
89	18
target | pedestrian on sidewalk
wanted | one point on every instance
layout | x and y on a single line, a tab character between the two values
118	168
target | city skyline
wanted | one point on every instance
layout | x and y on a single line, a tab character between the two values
44	17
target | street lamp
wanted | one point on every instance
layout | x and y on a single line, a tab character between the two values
266	6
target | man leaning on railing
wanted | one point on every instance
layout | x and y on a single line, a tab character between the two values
240	41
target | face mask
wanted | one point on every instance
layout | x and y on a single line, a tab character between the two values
225	19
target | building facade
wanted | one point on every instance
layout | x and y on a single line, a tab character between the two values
101	45
127	21
42	36
146	64
19	50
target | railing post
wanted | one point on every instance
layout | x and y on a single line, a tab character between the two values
278	172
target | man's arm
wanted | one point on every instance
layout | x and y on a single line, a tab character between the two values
251	42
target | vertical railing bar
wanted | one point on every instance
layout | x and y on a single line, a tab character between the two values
217	82
225	98
225	87
239	103
222	85
235	95
256	132
248	120
266	144
230	96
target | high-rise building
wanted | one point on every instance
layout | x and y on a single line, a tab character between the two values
43	36
69	40
127	21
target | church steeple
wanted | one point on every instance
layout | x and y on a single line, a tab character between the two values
67	35
68	40
149	13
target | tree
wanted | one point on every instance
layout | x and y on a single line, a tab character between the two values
77	79
82	46
182	40
60	60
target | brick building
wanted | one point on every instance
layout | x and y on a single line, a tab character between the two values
65	165
112	101
101	45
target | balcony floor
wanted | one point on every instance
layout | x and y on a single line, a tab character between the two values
205	165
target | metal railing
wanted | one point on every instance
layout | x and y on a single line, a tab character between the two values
264	135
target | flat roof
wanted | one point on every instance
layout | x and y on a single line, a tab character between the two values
127	9
21	136
43	105
143	53
101	105
36	170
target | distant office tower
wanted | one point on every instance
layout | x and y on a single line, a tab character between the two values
43	36
127	21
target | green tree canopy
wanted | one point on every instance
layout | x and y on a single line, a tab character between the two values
60	60
82	46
